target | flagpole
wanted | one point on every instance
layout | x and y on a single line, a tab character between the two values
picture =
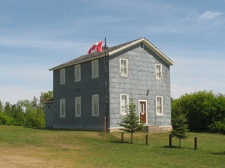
106	99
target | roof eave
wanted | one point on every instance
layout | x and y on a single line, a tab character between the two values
78	62
151	46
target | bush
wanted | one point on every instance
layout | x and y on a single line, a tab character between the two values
218	126
35	119
205	110
6	120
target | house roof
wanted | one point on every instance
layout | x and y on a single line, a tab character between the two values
113	50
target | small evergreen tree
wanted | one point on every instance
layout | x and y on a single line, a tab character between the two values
180	127
131	121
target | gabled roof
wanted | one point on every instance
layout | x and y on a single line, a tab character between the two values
113	50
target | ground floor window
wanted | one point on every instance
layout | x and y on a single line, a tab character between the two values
62	108
77	106
124	104
95	105
159	105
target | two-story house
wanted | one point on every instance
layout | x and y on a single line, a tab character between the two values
92	92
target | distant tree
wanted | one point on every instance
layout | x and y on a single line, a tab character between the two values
203	109
44	97
1	106
131	121
180	127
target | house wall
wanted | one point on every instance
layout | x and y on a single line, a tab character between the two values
84	89
49	115
141	78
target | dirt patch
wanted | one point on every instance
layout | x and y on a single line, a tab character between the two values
20	158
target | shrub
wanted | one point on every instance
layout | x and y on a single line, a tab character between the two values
6	120
218	126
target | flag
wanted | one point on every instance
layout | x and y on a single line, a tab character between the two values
97	47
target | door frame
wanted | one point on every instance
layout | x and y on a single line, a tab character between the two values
139	109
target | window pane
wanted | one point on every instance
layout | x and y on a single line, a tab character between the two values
77	106
95	105
95	69
77	73
124	106
158	69
124	67
62	108
62	76
159	105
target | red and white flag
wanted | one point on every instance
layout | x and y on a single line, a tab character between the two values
97	47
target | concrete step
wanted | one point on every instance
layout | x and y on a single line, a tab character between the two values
155	129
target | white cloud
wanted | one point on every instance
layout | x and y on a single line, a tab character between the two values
208	15
212	18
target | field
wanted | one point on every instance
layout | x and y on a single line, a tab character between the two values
25	147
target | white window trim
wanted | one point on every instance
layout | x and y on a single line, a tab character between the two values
158	78
139	109
123	75
62	76
62	110
95	75
121	110
93	108
77	99
77	78
156	106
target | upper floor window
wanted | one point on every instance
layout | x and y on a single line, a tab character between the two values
95	105
123	67
77	73
77	106
124	104
95	69
158	69
159	105
62	108
62	76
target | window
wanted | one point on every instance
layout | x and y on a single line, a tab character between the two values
159	105
77	106
124	104
95	105
62	76
95	69
124	67
77	73
62	108
158	69
142	45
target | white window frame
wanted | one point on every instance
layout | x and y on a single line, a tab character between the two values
62	76
124	69
95	105
158	70
77	73
77	106
95	71
124	108
62	108
159	106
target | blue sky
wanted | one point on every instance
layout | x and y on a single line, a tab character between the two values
38	35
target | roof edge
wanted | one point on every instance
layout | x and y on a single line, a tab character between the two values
150	45
79	62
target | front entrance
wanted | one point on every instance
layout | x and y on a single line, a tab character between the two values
143	111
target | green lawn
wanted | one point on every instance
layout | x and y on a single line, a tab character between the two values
26	147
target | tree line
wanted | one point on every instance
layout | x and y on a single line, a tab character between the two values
204	111
28	113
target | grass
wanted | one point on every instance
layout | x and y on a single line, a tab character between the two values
26	147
